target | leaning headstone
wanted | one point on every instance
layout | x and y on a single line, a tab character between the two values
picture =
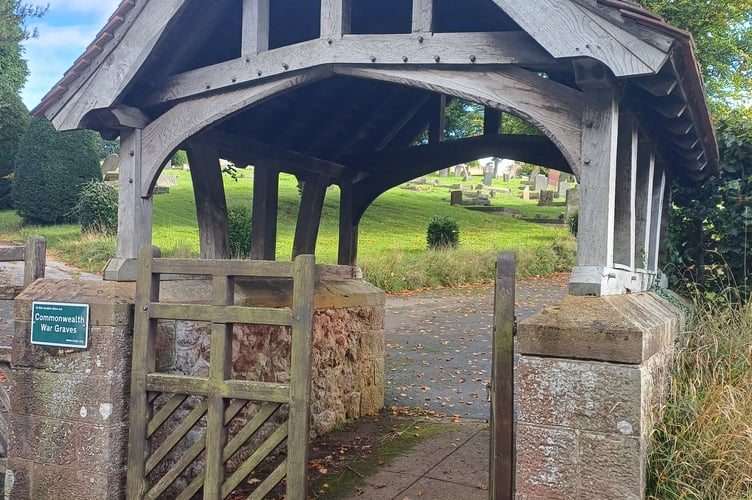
541	182
110	164
563	188
545	198
526	193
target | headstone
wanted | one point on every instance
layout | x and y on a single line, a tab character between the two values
526	193
563	188
111	177
541	182
444	172
110	164
554	176
456	198
545	198
420	180
573	201
458	171
507	177
467	178
488	175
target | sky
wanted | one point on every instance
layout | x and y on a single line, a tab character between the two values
68	27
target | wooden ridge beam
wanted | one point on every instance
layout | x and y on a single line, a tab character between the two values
491	48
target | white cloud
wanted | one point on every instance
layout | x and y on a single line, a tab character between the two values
102	7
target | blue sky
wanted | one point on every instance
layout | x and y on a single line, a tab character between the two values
64	33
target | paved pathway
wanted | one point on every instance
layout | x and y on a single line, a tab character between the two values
439	344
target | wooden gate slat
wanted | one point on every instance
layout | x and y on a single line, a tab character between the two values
263	414
226	314
233	409
170	476
230	389
206	267
164	413
267	484
258	455
176	436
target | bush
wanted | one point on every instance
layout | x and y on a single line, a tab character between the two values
239	224
50	169
443	232
12	128
97	208
573	223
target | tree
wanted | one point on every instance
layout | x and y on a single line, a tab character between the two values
50	169
13	16
722	31
15	120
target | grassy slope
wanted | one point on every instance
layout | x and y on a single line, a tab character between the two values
392	231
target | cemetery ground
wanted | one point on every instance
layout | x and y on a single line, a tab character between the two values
392	238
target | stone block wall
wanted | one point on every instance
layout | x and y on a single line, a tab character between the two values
68	415
591	376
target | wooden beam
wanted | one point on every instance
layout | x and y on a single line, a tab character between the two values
165	134
570	29
309	215
625	194
211	205
347	254
554	108
251	152
390	168
414	109
98	86
422	16
255	27
491	121
495	48
436	123
264	215
335	18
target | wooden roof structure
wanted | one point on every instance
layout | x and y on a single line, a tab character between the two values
337	91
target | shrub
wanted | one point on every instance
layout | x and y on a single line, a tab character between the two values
443	232
12	128
50	169
573	223
239	224
97	208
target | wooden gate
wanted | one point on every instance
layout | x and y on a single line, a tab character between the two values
220	397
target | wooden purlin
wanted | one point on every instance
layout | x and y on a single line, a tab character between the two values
222	397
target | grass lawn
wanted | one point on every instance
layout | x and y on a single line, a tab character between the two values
392	242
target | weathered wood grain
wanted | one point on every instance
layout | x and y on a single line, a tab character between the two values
309	215
553	108
568	29
255	27
211	204
229	314
264	213
134	211
624	202
335	18
487	48
166	133
112	71
422	16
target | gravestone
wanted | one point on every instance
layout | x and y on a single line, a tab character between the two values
110	164
444	172
467	178
456	198
545	198
488	175
458	171
541	182
507	177
573	201
554	176
563	188
526	193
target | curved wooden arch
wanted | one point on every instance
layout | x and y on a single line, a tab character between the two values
554	108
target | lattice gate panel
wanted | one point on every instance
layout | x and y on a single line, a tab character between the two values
180	422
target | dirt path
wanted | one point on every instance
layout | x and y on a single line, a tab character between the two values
438	344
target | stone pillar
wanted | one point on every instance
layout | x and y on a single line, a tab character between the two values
592	373
68	416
